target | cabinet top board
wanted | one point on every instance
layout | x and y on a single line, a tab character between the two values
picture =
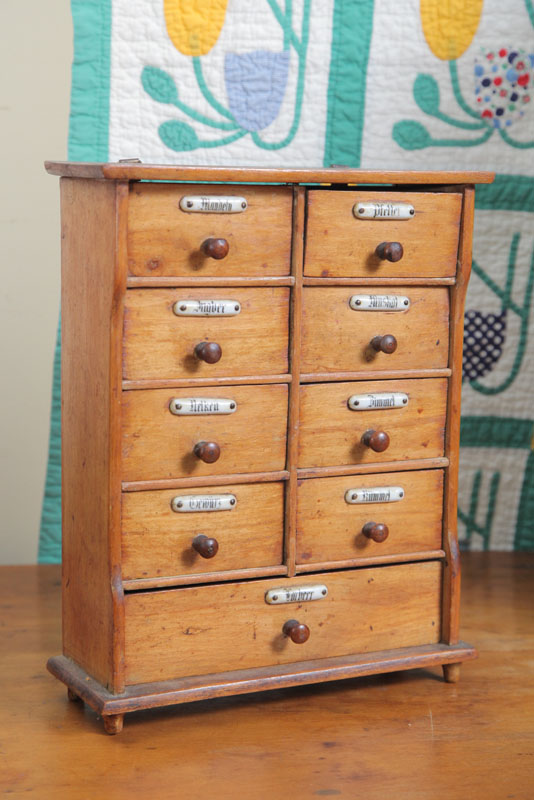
136	171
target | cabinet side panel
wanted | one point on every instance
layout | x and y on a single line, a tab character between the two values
91	302
451	576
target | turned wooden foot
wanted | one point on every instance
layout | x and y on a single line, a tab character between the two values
451	672
73	697
113	723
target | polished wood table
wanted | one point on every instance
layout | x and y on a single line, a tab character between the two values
406	736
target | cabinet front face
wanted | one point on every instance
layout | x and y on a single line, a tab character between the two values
369	516
346	228
162	530
262	388
168	237
223	627
349	329
368	422
179	433
205	333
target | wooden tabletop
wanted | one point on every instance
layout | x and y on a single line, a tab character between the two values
404	736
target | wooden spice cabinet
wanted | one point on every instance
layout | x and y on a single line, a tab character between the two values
326	543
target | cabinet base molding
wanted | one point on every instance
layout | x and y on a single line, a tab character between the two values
203	687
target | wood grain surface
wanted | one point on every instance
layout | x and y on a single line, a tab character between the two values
156	541
330	432
451	587
374	737
338	244
158	344
163	240
334	175
330	529
336	338
93	277
195	630
159	445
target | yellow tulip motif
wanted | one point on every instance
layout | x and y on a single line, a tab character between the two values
450	25
194	25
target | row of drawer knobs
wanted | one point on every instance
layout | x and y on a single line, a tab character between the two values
219	248
211	352
208	547
210	452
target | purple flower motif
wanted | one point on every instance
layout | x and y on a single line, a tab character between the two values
256	84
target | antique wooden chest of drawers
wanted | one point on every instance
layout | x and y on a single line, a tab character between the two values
261	393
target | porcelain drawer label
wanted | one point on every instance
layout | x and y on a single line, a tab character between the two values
378	400
185	503
375	210
376	494
206	308
296	594
190	406
379	302
213	204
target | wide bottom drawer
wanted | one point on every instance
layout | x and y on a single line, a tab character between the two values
218	628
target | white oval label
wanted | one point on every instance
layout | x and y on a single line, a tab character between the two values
375	494
190	406
295	594
206	308
382	400
185	503
374	210
213	204
379	302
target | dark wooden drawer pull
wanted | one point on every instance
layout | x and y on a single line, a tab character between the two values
205	546
376	531
216	248
376	440
384	344
210	352
297	631
389	251
208	452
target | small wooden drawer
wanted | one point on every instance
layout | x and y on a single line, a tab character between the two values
223	627
160	529
158	444
331	432
341	245
163	341
164	240
340	334
335	516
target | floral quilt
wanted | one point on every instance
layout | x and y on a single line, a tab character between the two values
435	84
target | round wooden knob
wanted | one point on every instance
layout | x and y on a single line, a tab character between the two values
210	352
216	248
205	546
376	531
208	452
297	631
389	251
384	344
376	440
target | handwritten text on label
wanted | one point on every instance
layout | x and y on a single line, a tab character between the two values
189	406
210	204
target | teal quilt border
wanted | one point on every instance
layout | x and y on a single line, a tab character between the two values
88	141
352	28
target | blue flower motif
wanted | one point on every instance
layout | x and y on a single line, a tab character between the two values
256	84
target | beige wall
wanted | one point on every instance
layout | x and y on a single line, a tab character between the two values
35	61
